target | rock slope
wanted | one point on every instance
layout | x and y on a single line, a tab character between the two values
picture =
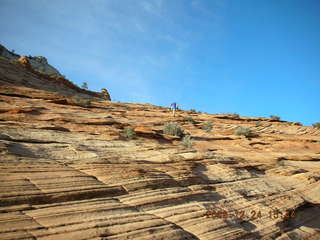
67	172
21	73
39	63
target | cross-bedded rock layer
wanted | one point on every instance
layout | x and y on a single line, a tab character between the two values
67	173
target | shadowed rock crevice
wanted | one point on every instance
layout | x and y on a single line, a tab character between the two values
14	95
44	198
21	150
306	215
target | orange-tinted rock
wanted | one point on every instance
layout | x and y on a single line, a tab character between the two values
144	130
24	110
30	77
24	61
65	172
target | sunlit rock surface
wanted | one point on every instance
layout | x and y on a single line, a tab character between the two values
66	171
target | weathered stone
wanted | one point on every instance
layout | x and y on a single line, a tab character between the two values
66	174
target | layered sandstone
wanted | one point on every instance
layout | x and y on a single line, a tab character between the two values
67	172
21	73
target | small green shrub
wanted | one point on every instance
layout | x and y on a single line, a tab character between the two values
296	124
82	102
187	142
274	117
53	75
258	124
234	115
84	85
192	110
14	61
189	119
207	126
129	133
316	125
172	128
243	131
41	69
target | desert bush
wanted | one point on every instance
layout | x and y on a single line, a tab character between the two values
194	111
243	131
231	115
14	61
207	126
84	85
316	125
274	117
234	115
189	119
258	124
53	75
129	133
41	69
172	128
83	102
187	142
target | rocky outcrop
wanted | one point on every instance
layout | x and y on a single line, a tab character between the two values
38	63
105	94
66	172
21	73
40	75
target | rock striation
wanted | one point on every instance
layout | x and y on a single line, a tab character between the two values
67	172
21	73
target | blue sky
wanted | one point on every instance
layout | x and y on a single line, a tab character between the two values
252	57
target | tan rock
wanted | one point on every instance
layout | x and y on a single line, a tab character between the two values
66	174
24	61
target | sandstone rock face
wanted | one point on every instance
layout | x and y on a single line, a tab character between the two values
37	73
22	74
105	94
66	173
39	63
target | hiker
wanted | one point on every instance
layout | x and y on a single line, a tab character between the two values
174	107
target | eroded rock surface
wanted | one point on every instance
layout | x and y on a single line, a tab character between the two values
67	173
21	73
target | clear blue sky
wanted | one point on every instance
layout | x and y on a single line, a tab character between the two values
252	57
